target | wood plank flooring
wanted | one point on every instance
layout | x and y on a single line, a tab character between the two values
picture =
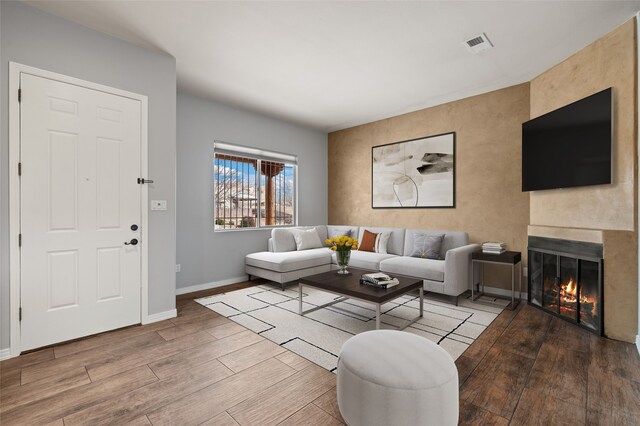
200	368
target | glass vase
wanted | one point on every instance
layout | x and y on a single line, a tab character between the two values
343	261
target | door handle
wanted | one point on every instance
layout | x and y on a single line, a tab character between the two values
133	242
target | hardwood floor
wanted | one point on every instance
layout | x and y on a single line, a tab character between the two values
530	368
200	368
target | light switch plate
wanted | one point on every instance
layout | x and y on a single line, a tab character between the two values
158	204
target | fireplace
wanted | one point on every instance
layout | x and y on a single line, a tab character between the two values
565	279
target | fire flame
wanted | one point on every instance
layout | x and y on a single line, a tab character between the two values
569	294
569	291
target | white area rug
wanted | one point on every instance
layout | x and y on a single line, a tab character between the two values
319	335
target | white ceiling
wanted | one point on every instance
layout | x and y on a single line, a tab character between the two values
333	65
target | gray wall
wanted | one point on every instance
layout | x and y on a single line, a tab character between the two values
34	38
208	257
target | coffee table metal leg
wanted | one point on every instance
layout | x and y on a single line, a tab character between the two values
300	298
315	308
377	316
421	302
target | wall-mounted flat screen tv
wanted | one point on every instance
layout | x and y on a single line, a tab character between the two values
570	146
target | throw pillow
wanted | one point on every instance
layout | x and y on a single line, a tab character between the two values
381	242
368	242
306	239
427	246
282	240
333	233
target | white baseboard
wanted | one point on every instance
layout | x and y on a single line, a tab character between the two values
207	286
161	316
503	292
5	354
638	343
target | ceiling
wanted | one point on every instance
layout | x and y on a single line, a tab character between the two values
333	65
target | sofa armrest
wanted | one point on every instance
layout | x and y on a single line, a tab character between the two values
457	267
270	245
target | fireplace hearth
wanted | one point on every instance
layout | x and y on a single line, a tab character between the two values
565	279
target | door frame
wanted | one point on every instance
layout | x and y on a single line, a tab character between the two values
15	69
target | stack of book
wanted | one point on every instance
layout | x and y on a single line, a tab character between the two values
378	279
493	247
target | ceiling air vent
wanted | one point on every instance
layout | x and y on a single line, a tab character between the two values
478	43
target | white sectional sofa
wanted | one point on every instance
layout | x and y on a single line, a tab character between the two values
449	275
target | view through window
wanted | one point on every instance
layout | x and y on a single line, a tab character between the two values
252	192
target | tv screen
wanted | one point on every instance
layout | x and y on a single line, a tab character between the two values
570	146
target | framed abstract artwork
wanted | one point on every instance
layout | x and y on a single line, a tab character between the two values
418	173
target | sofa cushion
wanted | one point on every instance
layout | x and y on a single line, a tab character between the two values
322	232
365	259
289	261
452	239
396	240
427	269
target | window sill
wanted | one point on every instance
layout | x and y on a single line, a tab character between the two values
262	228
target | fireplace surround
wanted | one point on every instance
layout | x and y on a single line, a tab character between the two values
565	279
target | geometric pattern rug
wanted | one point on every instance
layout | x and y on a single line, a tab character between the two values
319	335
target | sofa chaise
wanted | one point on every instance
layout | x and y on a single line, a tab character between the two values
448	275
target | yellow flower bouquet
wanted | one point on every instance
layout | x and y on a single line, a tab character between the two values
342	245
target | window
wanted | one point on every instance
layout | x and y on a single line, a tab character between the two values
253	188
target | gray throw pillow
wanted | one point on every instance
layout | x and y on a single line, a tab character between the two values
333	233
427	246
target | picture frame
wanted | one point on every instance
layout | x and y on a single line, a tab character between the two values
415	173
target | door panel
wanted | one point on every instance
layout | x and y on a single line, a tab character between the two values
109	272
62	279
62	193
80	154
108	183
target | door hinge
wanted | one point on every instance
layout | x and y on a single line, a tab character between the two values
19	240
142	181
20	313
19	95
19	169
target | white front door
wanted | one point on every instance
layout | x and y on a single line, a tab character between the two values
80	204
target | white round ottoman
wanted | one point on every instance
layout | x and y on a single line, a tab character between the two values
395	378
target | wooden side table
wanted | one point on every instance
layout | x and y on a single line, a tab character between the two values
508	258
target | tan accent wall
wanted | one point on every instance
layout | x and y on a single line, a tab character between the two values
489	201
610	61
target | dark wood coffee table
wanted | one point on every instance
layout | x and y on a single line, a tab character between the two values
349	287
